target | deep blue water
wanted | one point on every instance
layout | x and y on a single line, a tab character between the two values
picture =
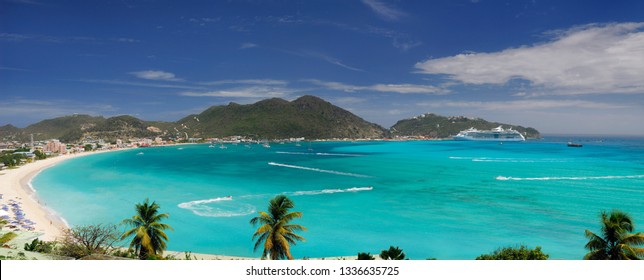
442	199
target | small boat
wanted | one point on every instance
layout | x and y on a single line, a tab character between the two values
575	145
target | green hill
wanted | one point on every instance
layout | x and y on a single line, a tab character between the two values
442	127
308	116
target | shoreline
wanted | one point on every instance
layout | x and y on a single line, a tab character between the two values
17	189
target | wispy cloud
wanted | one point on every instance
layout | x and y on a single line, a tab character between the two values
393	88
524	105
265	82
383	10
17	37
35	110
156	75
248	46
4	68
138	84
324	57
244	92
599	59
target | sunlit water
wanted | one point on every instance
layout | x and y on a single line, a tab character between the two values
442	199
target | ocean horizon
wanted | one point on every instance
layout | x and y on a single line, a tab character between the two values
433	199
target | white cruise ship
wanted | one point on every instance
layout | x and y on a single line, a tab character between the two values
496	134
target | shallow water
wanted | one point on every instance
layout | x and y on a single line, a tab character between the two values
442	199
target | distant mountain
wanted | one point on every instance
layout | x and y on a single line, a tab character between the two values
307	116
75	127
442	127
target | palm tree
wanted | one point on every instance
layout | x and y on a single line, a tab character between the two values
616	241
147	229
275	231
394	253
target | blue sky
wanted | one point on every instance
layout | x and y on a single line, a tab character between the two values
572	67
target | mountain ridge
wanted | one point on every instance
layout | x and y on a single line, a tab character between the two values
275	118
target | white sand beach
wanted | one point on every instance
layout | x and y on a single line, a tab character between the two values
17	194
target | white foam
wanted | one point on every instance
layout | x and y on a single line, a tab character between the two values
318	170
319	154
528	160
202	208
503	178
329	191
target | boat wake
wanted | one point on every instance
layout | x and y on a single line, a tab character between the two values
319	170
319	154
488	159
218	207
329	191
503	178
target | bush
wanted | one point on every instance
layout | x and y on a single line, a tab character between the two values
365	256
515	253
40	246
394	253
7	237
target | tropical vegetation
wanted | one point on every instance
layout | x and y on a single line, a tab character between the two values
393	253
147	232
515	253
365	256
82	241
615	240
275	230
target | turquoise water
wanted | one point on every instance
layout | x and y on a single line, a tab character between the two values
442	199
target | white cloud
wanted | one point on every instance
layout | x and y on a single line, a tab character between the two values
395	88
125	83
588	59
244	92
523	105
248	46
31	110
383	10
156	75
266	82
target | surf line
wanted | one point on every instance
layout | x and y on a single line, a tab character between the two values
319	170
503	178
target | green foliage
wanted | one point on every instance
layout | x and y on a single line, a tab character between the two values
308	116
124	253
274	229
40	155
616	240
40	246
11	160
515	253
442	127
147	232
393	253
81	241
88	147
365	256
5	238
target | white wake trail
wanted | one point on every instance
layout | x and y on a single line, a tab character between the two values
318	170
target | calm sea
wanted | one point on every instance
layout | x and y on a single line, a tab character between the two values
440	199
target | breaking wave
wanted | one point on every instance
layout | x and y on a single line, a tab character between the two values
503	178
319	170
218	207
329	191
